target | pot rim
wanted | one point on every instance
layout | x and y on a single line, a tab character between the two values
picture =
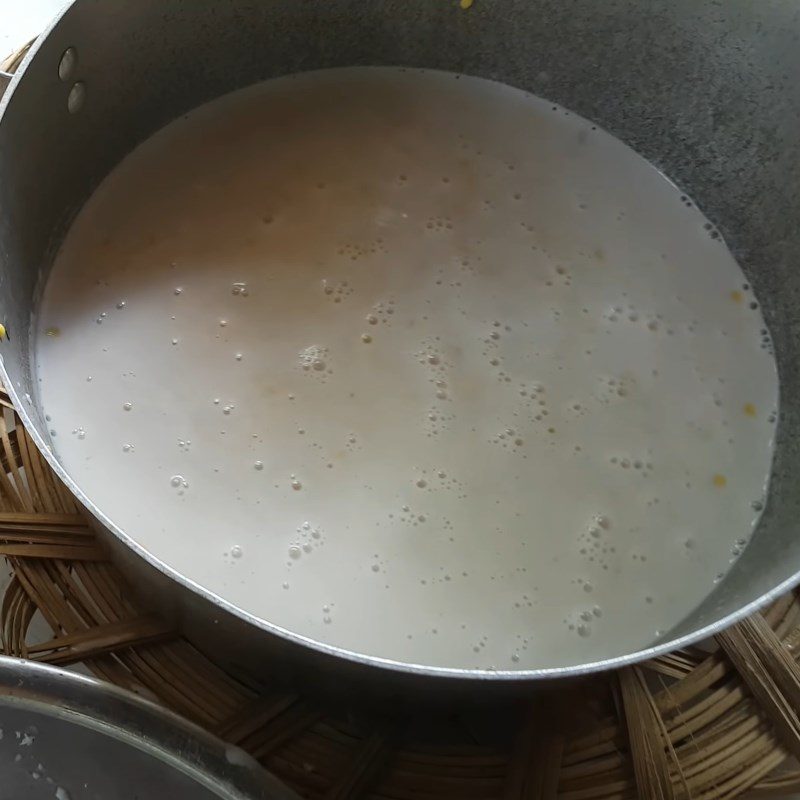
118	714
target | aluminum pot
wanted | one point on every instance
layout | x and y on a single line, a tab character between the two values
706	90
66	736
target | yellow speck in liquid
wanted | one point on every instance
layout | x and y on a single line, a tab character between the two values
52	331
720	481
465	4
736	296
2	331
749	409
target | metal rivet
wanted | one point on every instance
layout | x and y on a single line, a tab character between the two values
68	64
77	96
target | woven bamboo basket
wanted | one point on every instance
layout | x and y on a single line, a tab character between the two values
704	723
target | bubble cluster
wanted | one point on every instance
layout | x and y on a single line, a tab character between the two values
594	543
635	465
354	251
628	313
438	419
738	547
439	224
382	313
313	360
611	389
307	539
336	290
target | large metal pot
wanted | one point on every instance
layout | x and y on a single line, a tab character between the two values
74	738
706	90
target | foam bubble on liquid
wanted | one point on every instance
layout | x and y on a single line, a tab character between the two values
312	358
179	483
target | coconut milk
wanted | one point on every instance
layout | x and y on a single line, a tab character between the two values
414	364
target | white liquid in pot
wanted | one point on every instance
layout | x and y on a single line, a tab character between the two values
421	367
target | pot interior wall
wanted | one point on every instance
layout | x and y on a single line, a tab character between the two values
705	90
